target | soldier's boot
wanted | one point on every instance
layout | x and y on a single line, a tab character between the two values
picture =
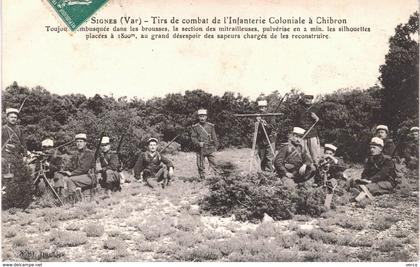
78	194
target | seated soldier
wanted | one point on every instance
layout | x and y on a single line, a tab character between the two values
379	172
291	163
330	168
410	152
107	166
77	177
389	146
151	164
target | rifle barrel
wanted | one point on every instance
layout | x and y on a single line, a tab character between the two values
258	115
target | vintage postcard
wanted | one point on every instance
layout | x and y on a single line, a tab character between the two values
210	131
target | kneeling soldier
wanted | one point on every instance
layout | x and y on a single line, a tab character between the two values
291	163
78	175
108	165
378	176
151	164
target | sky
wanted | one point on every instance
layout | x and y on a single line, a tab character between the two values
64	63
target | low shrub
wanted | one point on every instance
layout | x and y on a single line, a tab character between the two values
250	196
20	241
114	244
68	239
94	230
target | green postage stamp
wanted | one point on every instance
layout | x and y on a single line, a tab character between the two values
75	12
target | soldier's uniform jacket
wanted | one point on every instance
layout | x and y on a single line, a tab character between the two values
146	161
16	143
389	147
204	133
81	162
305	121
290	158
380	168
109	161
261	137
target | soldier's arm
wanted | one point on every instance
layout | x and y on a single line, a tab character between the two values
194	137
279	161
23	143
167	162
384	173
86	164
139	166
114	162
214	137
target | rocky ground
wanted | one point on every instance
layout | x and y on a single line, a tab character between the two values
143	224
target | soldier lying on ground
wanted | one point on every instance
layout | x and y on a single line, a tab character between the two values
291	163
107	167
151	164
378	175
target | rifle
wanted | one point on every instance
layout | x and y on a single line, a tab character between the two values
93	170
21	106
119	149
281	101
258	115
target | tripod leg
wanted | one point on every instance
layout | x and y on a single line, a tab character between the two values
268	139
254	143
52	189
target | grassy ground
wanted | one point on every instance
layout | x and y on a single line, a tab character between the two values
143	224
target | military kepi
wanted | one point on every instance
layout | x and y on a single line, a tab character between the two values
298	130
11	110
330	147
382	127
262	103
152	139
47	143
81	136
376	141
105	140
202	112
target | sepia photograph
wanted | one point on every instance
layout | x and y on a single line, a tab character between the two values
210	131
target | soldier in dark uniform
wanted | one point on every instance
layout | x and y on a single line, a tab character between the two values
204	139
330	168
292	164
379	172
382	132
264	145
151	164
410	151
12	142
77	175
305	119
108	165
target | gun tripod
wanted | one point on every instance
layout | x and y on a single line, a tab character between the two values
257	124
41	175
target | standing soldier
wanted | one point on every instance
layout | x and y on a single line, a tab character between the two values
379	172
108	165
306	119
204	139
264	146
292	164
410	152
382	132
151	164
78	176
12	141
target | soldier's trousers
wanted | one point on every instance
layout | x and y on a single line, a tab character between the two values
110	179
71	183
266	157
200	163
313	147
380	188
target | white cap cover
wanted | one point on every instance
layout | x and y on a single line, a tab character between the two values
262	103
47	143
105	140
298	130
80	136
330	147
376	141
11	110
202	112
382	127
